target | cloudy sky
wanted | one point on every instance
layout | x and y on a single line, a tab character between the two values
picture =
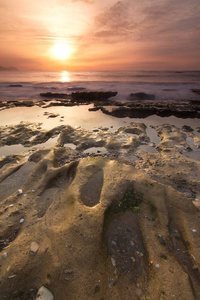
100	35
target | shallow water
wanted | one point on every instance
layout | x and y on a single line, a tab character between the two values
79	116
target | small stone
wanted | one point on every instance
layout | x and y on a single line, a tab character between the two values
12	276
68	272
4	255
19	191
21	221
114	243
133	259
66	279
34	247
194	230
11	205
157	266
132	243
138	292
44	294
97	289
113	262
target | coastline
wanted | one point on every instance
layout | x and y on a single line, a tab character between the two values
105	210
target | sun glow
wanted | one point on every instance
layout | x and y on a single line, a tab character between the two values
61	51
65	76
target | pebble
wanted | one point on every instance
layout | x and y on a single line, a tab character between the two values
12	276
194	230
4	255
66	279
11	205
114	243
133	259
34	247
138	292
21	221
113	262
157	266
19	191
68	272
44	294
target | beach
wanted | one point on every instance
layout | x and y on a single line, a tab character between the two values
100	194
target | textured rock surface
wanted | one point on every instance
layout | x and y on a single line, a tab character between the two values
119	225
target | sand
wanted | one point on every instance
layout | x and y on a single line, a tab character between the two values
101	214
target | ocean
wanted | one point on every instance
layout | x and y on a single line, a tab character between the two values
165	85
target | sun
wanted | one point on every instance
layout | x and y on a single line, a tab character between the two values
61	51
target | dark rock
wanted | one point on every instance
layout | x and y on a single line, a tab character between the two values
143	109
97	289
23	103
94	108
197	91
140	96
92	96
53	115
195	102
187	128
55	95
161	240
15	85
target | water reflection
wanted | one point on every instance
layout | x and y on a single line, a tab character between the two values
65	76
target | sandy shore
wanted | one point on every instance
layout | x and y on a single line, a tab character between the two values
101	212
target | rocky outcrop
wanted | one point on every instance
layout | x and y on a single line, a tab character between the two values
92	96
197	91
143	109
140	96
55	95
137	239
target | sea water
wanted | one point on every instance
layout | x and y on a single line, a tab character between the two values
165	85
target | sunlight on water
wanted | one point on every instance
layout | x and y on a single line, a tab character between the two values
65	76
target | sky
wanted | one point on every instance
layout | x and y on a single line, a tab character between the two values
100	34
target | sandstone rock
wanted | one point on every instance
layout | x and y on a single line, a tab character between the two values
44	294
5	255
19	191
187	128
113	262
34	247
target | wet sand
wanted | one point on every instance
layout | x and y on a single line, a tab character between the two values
108	210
